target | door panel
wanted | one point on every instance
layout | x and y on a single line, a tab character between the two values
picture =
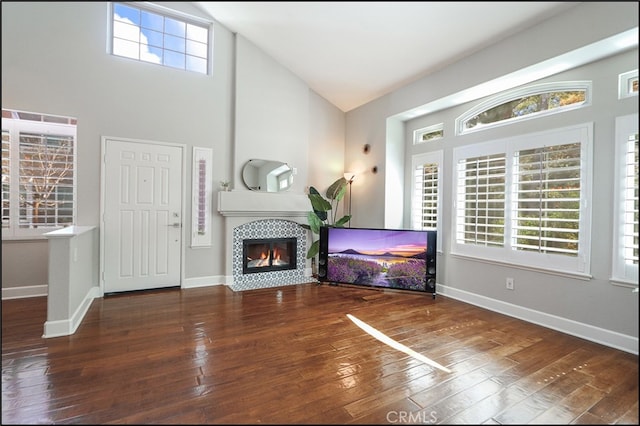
142	216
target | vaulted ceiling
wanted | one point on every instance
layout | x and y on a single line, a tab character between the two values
353	52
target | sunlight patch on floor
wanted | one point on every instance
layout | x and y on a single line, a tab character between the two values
396	345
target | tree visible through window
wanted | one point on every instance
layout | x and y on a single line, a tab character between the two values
525	106
548	199
38	173
524	201
527	102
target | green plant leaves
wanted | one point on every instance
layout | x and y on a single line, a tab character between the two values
314	249
319	203
337	189
314	222
319	216
340	223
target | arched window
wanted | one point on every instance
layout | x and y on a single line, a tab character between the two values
525	103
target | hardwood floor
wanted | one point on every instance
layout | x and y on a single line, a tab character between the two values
290	355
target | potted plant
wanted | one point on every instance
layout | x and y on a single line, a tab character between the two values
325	211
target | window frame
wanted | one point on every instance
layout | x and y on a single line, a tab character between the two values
510	95
165	12
15	127
625	80
621	273
434	157
436	128
578	266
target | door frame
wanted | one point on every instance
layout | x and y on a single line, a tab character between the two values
103	184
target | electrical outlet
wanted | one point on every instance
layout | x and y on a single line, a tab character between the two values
510	283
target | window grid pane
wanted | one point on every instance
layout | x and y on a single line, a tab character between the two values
149	37
481	200
630	232
426	186
547	200
46	180
6	178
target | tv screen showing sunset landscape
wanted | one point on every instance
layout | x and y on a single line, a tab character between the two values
377	257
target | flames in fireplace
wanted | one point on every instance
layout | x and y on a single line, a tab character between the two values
268	254
268	258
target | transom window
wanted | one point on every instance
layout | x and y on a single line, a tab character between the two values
522	200
429	133
525	103
38	173
628	84
149	35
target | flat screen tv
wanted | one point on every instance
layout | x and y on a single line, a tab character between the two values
387	258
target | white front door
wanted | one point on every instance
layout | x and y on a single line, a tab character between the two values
142	215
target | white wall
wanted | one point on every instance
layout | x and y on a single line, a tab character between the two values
55	61
272	117
599	307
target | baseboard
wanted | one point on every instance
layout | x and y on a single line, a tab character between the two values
204	281
25	291
69	326
595	334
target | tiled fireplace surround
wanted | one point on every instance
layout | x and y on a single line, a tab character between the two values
250	215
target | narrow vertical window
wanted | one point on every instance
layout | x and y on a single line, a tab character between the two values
6	179
625	249
426	206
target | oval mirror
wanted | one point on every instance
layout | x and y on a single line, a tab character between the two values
267	175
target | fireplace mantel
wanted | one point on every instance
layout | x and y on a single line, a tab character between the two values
244	214
263	204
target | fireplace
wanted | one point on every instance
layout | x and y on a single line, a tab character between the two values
268	254
241	228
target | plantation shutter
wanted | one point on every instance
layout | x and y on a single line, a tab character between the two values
425	208
481	200
6	178
630	227
546	208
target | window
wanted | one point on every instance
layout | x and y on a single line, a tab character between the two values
481	195
525	103
427	190
625	232
523	200
628	84
38	173
429	133
152	35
